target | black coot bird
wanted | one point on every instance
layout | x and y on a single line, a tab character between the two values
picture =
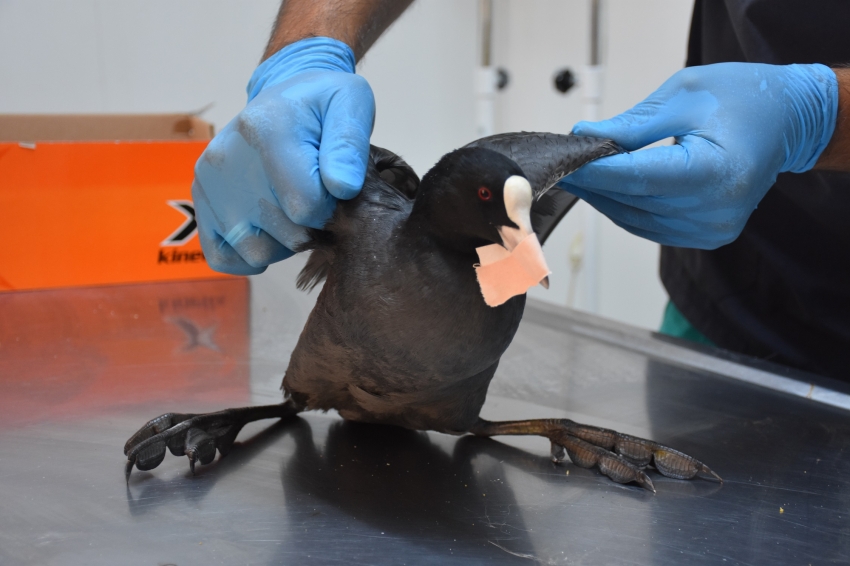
401	333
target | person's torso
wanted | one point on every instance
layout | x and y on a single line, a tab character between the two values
782	290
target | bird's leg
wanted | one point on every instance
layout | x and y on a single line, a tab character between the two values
196	436
619	456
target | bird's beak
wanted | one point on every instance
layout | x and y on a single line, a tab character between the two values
518	199
518	264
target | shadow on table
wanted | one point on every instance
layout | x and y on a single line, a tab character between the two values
428	493
449	497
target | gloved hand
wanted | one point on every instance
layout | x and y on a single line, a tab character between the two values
736	126
278	167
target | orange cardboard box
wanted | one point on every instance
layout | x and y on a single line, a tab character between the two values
100	199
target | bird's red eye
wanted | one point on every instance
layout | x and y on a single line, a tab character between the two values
484	193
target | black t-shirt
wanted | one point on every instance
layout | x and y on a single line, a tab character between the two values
781	291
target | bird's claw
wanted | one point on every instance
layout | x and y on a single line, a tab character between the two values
619	456
558	453
200	446
622	457
196	436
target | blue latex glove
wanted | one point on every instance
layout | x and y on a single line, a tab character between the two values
736	126
278	167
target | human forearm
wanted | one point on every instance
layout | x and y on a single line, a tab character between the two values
357	23
836	156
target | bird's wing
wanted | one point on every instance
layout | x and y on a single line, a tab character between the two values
395	184
548	210
546	159
395	171
318	264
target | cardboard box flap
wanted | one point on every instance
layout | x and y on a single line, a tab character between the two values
102	127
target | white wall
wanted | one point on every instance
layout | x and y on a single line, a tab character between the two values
421	73
130	56
180	55
645	44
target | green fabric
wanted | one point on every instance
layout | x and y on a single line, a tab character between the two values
675	324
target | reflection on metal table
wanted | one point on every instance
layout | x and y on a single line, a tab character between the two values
82	369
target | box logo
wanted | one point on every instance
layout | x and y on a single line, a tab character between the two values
188	229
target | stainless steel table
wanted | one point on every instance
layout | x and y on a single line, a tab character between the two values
82	369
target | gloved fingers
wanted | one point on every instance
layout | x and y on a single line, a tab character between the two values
675	206
666	230
222	257
285	133
649	203
671	240
633	129
238	248
690	185
219	254
658	238
671	111
231	187
255	246
278	225
251	250
682	169
347	127
717	215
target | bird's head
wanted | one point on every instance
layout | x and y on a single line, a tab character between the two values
473	197
476	200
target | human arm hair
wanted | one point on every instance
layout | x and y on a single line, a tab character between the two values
357	23
836	156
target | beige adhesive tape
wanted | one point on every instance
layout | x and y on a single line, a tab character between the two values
503	274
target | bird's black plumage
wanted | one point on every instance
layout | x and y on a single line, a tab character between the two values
400	333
